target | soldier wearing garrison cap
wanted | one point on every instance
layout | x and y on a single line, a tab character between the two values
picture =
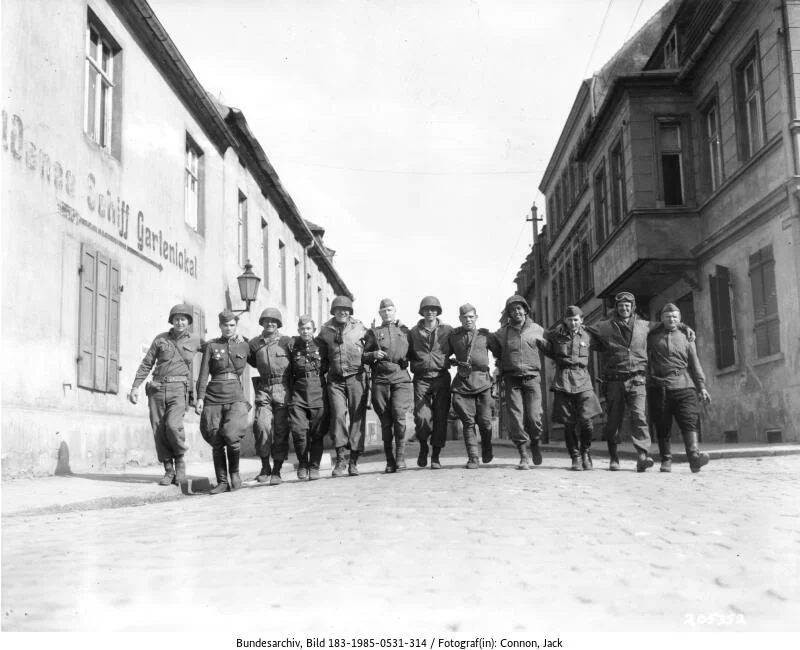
269	353
221	403
429	365
171	358
622	340
342	354
471	388
575	402
386	350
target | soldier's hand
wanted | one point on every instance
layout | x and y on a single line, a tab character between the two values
198	407
379	355
133	397
704	396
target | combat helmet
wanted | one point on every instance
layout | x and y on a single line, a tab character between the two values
274	314
430	301
341	302
183	310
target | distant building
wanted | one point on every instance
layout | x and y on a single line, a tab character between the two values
126	189
684	151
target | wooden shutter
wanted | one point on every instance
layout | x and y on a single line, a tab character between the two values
102	299
86	317
112	373
722	317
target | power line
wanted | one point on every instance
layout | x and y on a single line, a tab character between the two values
513	253
597	40
413	172
635	16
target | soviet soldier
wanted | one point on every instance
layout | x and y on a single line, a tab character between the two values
676	380
429	364
308	409
622	340
269	353
171	357
517	345
386	350
471	388
574	400
221	402
343	338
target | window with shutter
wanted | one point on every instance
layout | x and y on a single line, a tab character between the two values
766	324
722	318
99	321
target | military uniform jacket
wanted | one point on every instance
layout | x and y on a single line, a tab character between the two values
518	348
307	372
476	378
392	339
673	360
171	355
623	346
343	348
427	350
221	359
570	352
271	357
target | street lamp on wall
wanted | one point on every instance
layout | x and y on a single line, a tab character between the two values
248	287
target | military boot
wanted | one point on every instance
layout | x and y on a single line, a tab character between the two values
435	463
665	453
697	459
388	451
266	470
233	468
399	453
352	465
340	466
180	470
302	462
524	459
586	459
586	446
422	458
487	452
169	473
314	459
275	477
536	452
613	457
643	461
471	443
220	470
571	441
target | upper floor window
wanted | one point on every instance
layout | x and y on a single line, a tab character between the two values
618	202
766	324
713	144
750	120
241	231
191	187
298	288
670	158
558	213
265	251
671	50
282	266
101	77
601	205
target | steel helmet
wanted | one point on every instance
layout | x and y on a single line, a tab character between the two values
274	314
341	302
183	310
518	300
430	301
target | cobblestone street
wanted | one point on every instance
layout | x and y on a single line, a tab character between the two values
469	553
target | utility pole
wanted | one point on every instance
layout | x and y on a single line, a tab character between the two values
534	218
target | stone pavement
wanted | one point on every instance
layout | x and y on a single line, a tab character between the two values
466	553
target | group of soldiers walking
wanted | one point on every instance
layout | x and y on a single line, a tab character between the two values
311	386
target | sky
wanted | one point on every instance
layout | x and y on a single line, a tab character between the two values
415	132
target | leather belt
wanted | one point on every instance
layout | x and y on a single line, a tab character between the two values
169	379
622	376
271	381
225	375
307	373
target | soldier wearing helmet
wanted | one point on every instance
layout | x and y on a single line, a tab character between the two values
342	354
270	353
171	358
517	346
221	403
429	365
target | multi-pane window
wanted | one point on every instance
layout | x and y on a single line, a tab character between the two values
579	287
191	186
751	123
282	265
241	231
586	280
569	289
670	162
713	145
265	251
298	287
558	213
671	51
555	297
320	313
766	324
98	321
618	203
99	79
601	206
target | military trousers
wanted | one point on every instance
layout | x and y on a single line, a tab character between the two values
523	408
167	403
475	410
224	424
347	398
391	403
431	407
665	404
271	427
627	394
308	426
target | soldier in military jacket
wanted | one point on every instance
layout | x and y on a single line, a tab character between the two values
386	350
221	402
269	353
308	408
170	357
